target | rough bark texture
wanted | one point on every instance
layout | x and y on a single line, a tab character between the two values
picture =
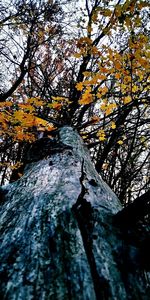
58	240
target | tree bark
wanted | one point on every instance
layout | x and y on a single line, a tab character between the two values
58	238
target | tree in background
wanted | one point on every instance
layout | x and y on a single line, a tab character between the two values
81	64
63	232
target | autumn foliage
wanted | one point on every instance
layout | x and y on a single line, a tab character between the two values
91	73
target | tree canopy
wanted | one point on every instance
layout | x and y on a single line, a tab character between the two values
82	63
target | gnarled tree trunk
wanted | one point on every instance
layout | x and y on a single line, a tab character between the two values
58	239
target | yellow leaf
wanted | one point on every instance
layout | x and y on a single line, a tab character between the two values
118	10
109	108
43	124
108	111
118	76
50	127
120	142
99	95
16	165
117	65
36	101
95	51
79	86
6	104
84	41
19	136
123	86
84	137
141	77
127	99
93	80
41	33
86	99
101	76
62	99
103	106
77	55
101	135
102	138
103	70
113	125
135	88
27	107
56	105
107	12
104	90
87	74
18	115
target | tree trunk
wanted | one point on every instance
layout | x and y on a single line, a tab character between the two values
58	239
